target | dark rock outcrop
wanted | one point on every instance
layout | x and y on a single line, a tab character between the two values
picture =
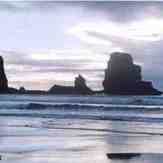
122	76
59	89
22	90
80	87
11	90
3	78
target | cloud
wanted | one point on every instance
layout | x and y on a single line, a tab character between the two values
51	42
38	6
126	11
144	30
56	59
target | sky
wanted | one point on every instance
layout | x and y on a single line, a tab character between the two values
47	43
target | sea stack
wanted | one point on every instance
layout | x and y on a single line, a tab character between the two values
122	76
3	78
80	85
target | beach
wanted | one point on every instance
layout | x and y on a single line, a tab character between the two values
80	129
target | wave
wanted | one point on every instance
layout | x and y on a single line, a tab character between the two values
86	116
78	106
128	100
136	113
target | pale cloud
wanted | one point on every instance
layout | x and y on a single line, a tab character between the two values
68	54
142	30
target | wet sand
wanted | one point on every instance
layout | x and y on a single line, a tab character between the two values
33	140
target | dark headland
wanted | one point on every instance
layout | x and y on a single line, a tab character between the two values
122	77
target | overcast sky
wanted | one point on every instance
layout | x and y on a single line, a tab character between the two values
47	43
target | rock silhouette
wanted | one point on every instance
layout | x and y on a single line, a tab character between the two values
122	76
3	78
22	90
60	89
79	87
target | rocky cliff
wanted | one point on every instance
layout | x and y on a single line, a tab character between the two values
122	76
3	78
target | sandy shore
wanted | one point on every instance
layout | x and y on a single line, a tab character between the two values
33	140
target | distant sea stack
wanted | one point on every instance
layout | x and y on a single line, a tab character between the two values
122	76
79	87
3	78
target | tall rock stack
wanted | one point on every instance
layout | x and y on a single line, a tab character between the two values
122	76
3	78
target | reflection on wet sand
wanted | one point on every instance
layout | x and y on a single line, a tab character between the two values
122	156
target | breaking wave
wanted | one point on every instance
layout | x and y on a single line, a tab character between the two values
78	106
89	117
136	113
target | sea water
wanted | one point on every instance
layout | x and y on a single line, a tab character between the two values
80	129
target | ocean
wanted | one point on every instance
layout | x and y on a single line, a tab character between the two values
80	129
